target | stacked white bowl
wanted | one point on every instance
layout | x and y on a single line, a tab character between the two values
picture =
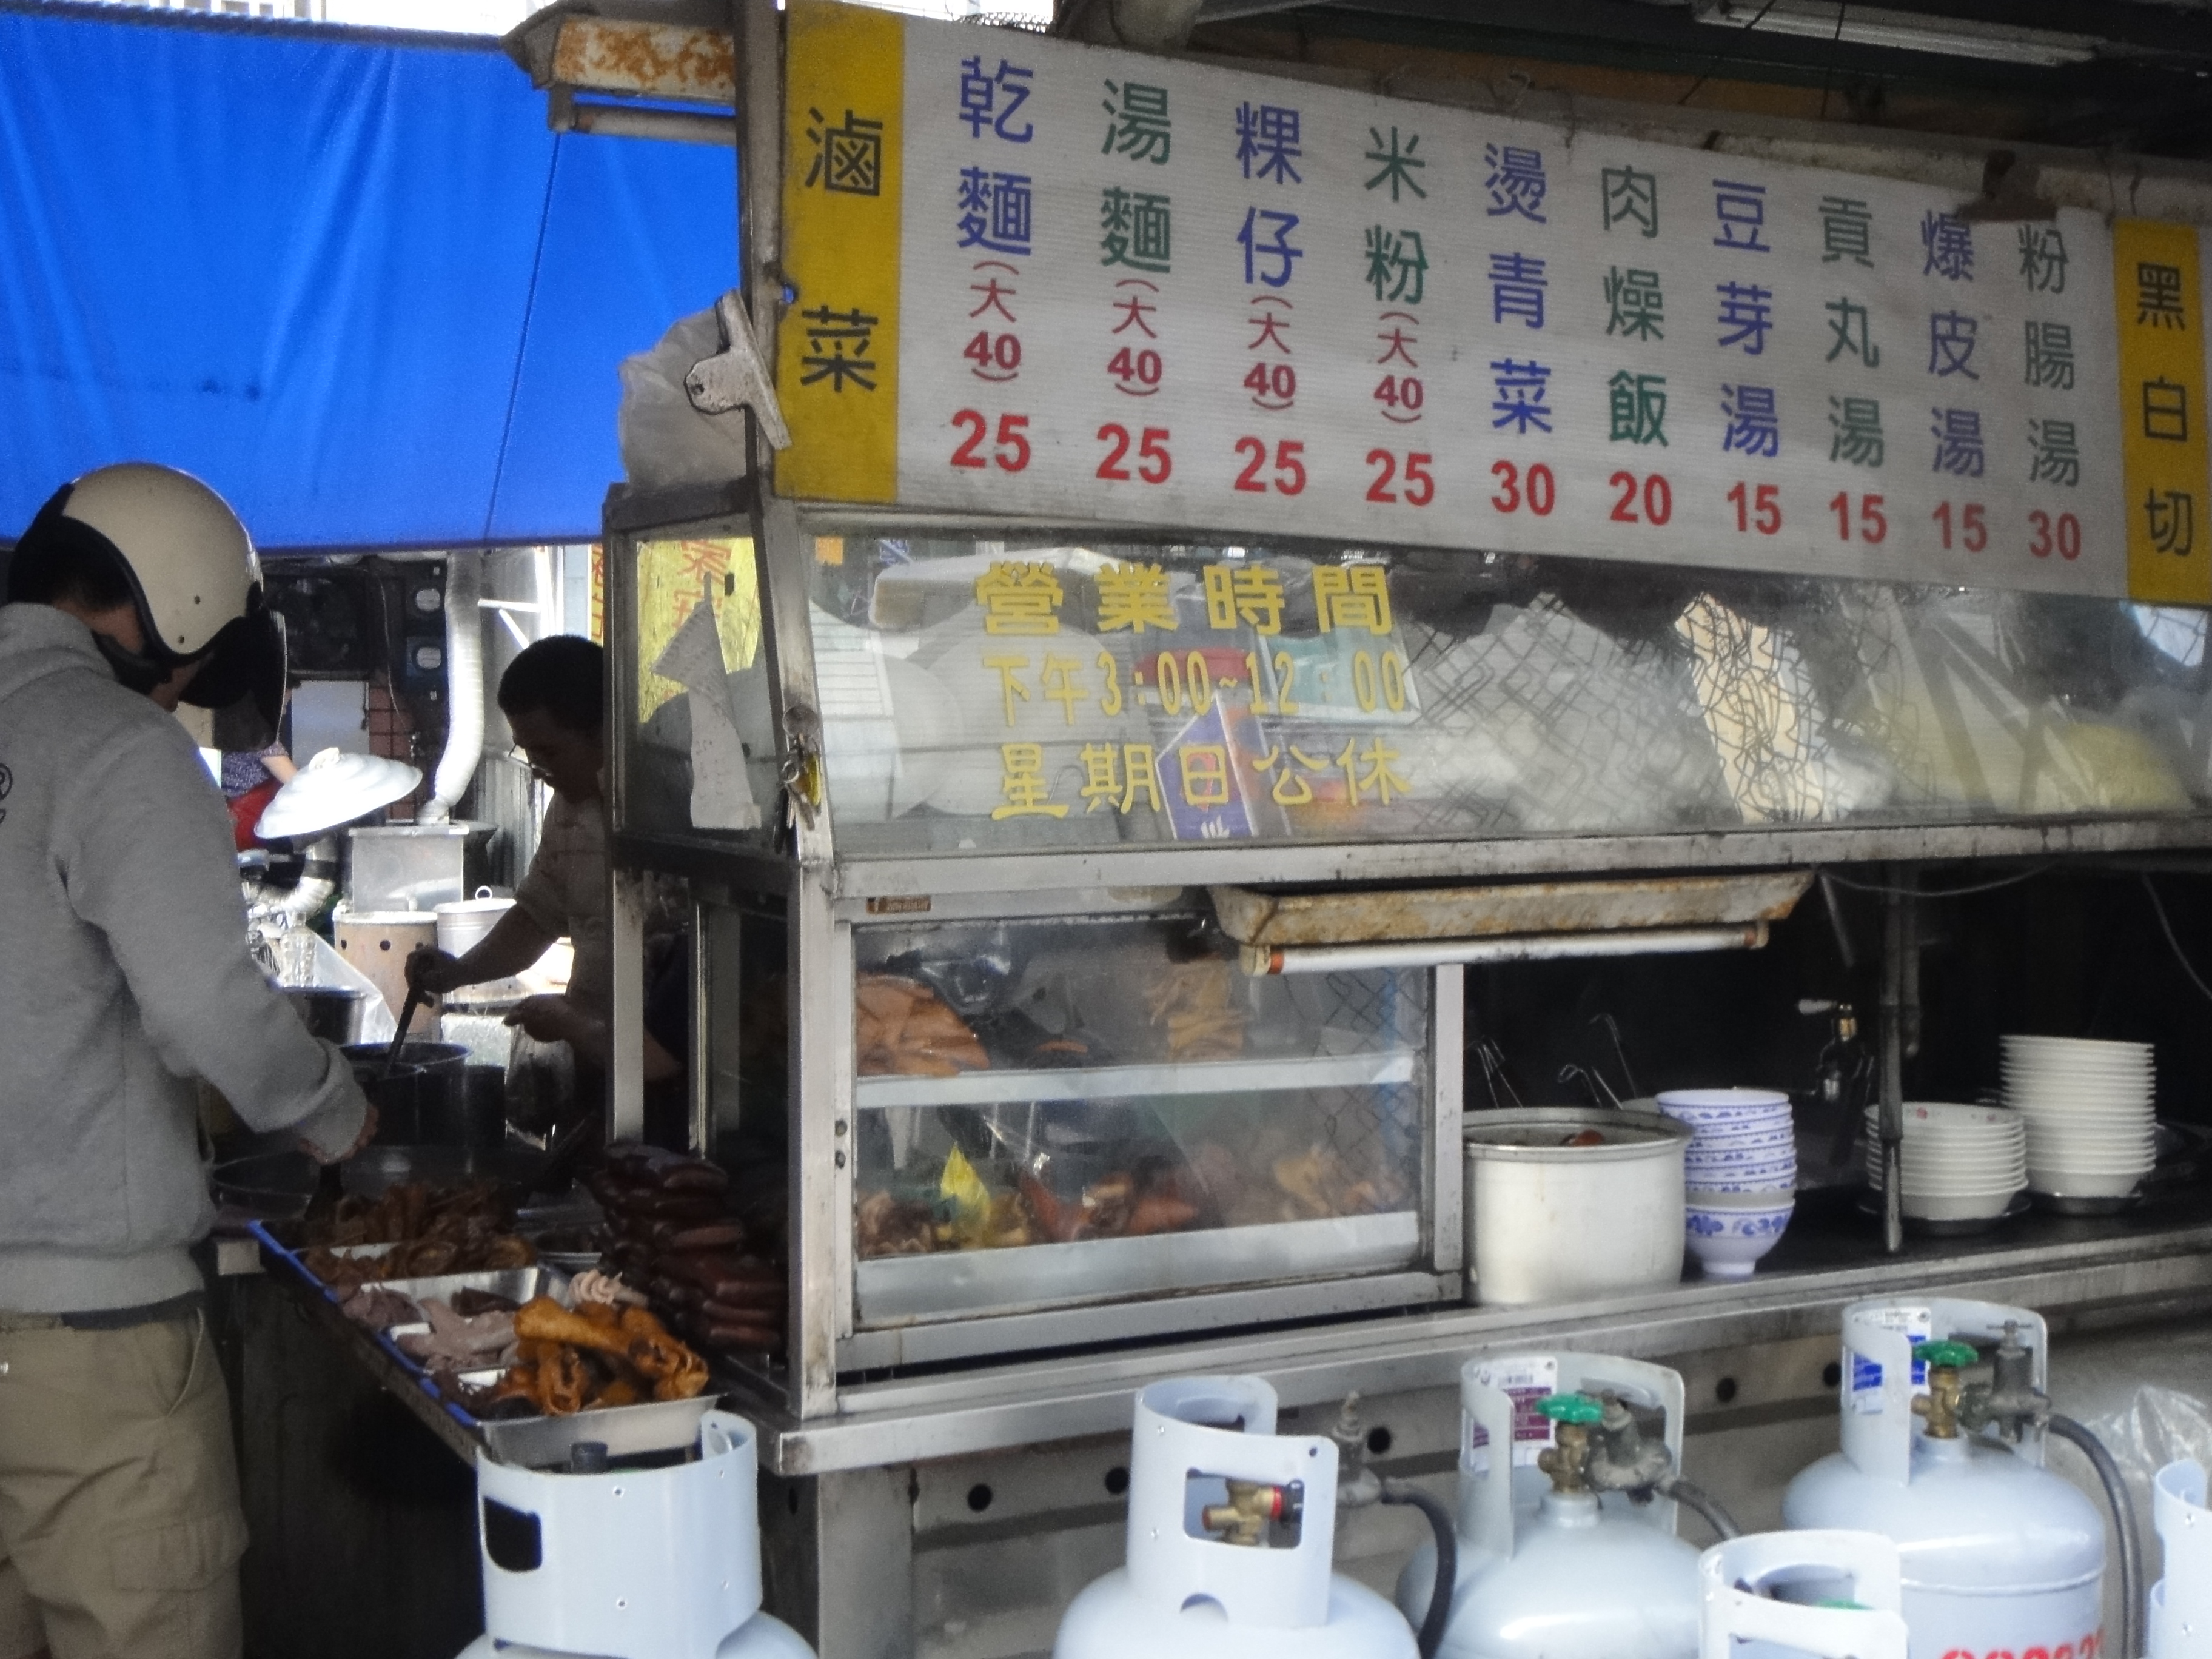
2090	1113
1960	1162
1741	1173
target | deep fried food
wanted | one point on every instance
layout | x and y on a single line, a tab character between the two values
1192	1001
902	1027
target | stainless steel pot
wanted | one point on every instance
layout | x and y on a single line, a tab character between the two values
1548	1222
332	1011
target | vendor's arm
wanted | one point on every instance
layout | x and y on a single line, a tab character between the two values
147	858
556	1019
518	938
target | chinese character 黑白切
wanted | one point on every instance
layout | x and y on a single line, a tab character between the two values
1740	207
1276	246
847	160
1523	388
1135	597
1958	442
1846	231
2042	258
1351	596
1134	307
1515	183
1637	403
1516	289
1848	321
1011	688
1377	779
2051	354
1019	597
830	333
1114	778
1755	425
1137	122
1251	591
991	100
2170	515
1398	162
2158	296
2165	410
995	293
1023	784
1951	345
994	210
1748	310
1287	788
1947	240
1135	229
1396	265
1059	678
2057	456
1857	424
1268	135
1633	198
1635	307
1396	343
1203	772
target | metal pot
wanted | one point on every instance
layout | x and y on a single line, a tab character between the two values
473	1114
1548	1222
330	1012
425	1086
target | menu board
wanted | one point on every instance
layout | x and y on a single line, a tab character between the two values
1038	279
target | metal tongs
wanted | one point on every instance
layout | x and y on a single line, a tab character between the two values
1492	1060
415	999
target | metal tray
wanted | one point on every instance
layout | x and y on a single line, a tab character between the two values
539	1443
517	1284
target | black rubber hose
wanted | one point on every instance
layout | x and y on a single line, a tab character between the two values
1705	1504
1430	1636
2124	1520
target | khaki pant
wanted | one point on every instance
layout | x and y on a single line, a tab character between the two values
120	1530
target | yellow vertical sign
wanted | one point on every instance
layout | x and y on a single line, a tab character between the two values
2162	411
837	346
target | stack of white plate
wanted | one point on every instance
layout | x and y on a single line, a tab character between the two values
1960	1162
2089	1111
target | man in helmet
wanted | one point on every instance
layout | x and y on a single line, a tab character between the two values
124	975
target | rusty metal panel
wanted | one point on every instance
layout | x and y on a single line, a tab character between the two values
1442	913
659	60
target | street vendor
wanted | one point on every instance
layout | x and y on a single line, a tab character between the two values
125	975
554	696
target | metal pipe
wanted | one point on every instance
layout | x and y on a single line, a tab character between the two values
668	125
465	687
1522	947
1892	1124
2124	1522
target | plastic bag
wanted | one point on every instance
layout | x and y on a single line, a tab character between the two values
664	440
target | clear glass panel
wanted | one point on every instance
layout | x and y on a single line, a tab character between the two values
1113	1107
702	754
981	696
747	1103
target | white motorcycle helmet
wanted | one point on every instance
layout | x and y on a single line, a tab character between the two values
191	571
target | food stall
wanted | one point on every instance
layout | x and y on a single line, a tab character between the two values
1223	585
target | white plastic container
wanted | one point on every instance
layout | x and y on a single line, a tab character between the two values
1184	1593
1562	1574
1998	1554
2181	1600
1546	1222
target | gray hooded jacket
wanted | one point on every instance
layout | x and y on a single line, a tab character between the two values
124	975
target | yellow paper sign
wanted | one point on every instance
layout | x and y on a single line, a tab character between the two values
2161	314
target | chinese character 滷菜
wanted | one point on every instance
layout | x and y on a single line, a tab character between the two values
1515	183
1398	162
1741	210
1753	424
994	210
1137	122
1266	236
1634	306
2057	454
1958	442
1267	143
1516	289
1396	265
1857	423
848	159
2050	355
838	343
1846	231
1747	312
1951	345
1848	320
992	100
1134	229
1637	405
1523	389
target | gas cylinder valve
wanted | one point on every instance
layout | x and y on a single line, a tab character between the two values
2010	1399
1940	1405
1567	1459
1252	1505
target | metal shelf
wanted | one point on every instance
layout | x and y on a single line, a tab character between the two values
1215	1077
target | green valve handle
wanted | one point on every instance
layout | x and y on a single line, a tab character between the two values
1571	1408
1951	1354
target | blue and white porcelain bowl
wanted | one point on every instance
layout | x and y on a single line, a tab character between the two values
1702	1157
1730	1232
1726	1109
1740	1185
1782	1136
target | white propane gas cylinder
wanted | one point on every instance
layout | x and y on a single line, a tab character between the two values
631	1564
1739	1619
2181	1600
1206	1466
2000	1556
1546	1571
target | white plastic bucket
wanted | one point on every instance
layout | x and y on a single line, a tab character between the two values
463	922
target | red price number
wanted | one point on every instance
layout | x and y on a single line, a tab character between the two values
1401	397
1537	490
1417	487
1758	509
1154	464
1973	530
996	356
1011	451
1873	526
1137	373
2062	536
1272	385
1290	468
1653	493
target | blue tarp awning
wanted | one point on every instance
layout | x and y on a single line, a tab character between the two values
348	278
